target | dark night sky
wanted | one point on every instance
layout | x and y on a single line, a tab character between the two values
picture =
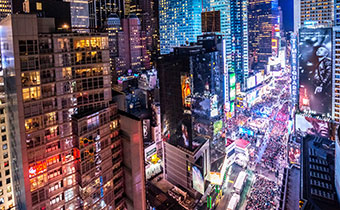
287	7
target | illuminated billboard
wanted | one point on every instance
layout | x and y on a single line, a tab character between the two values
308	125
294	70
197	180
186	91
232	80
251	82
218	125
315	71
232	93
214	109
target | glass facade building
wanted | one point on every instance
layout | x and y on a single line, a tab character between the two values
262	17
234	28
179	23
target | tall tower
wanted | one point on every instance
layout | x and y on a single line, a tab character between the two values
64	130
7	198
179	23
317	12
234	28
262	16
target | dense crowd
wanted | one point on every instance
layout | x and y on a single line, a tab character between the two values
263	194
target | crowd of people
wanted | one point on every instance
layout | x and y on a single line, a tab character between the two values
274	154
263	195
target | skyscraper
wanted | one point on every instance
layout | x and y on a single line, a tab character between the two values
7	193
317	12
79	15
234	28
64	130
337	12
192	102
100	10
5	8
262	16
179	23
132	53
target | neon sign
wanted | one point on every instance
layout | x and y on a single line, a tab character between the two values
36	169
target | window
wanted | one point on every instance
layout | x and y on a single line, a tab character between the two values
4	138
5	155
69	194
1	192
7	172
8	180
4	146
32	93
39	6
6	163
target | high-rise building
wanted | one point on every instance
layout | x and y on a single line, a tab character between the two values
234	28
134	174
63	128
147	12
5	8
192	92
47	8
315	13
179	23
131	47
262	17
79	15
297	13
7	199
336	81
100	10
337	12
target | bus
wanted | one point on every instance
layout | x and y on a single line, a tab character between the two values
240	181
233	202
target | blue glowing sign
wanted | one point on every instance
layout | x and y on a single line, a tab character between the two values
294	71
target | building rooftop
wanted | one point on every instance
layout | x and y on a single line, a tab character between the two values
317	174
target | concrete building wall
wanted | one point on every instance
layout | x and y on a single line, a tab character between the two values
133	150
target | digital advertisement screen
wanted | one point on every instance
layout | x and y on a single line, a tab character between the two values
186	91
218	125
232	93
214	106
294	154
232	80
251	82
197	180
315	70
312	126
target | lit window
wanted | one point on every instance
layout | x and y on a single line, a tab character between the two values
39	6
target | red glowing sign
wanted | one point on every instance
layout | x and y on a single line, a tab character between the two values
38	168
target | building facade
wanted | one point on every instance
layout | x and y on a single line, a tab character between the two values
192	93
318	12
234	28
179	23
64	131
262	17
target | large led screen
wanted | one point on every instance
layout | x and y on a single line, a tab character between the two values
197	180
186	91
309	125
315	70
